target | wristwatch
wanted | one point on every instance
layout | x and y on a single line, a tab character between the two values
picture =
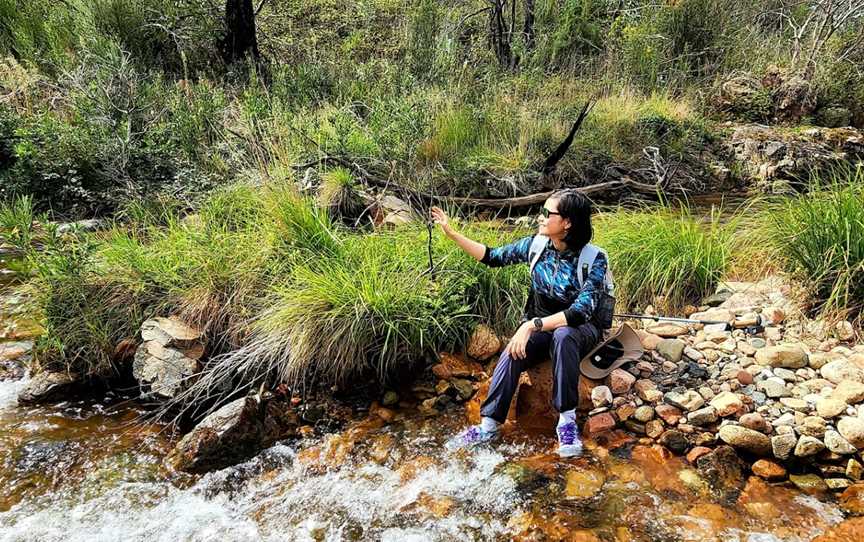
538	324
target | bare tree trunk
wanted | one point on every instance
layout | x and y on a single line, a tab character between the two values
528	28
240	35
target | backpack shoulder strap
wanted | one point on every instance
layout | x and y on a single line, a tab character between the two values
586	260
536	249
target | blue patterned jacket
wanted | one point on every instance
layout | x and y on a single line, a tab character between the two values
554	282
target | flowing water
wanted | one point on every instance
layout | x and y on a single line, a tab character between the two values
92	471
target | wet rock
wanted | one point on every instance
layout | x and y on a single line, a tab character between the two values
484	343
50	387
676	441
808	446
464	388
620	381
452	366
790	356
809	483
768	470
723	469
852	429
671	349
846	531
835	442
686	400
852	500
525	477
390	398
842	369
583	483
745	439
233	433
697	452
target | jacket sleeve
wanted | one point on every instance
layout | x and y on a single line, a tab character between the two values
515	252
583	306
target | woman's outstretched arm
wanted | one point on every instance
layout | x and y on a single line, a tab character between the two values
475	249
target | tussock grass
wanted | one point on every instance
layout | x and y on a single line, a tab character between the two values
820	236
666	254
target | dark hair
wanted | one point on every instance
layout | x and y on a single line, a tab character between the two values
576	207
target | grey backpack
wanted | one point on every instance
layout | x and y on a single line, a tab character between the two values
603	313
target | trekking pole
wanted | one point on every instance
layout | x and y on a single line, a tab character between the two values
750	330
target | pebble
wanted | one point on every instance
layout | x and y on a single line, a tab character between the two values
783	445
644	414
703	416
808	446
835	442
828	407
773	387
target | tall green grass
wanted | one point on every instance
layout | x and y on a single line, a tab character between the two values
820	236
666	254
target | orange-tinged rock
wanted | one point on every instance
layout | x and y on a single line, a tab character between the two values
583	483
649	340
845	531
380	449
484	343
586	385
411	468
852	499
534	398
599	423
438	507
668	413
453	366
614	439
769	470
696	453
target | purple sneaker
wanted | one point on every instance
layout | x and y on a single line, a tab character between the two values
569	444
471	436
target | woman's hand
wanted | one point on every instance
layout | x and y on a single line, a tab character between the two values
440	218
519	342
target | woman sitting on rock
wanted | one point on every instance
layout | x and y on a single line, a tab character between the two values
559	319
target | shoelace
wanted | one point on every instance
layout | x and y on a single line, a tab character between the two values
567	433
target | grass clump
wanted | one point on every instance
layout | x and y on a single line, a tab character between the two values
665	255
820	236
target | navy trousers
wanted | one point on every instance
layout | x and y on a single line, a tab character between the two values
566	346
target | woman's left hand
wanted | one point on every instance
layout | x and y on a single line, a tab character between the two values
519	342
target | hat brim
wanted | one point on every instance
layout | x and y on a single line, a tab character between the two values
632	351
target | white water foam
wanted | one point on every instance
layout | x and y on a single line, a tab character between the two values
9	392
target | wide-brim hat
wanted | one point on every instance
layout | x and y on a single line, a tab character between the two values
620	346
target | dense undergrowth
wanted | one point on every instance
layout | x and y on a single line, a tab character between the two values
113	100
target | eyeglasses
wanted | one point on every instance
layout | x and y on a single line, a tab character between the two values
546	212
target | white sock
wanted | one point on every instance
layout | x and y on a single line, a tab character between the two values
488	424
567	417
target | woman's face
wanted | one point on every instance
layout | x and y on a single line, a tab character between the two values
553	225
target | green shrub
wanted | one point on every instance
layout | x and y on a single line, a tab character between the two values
820	234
